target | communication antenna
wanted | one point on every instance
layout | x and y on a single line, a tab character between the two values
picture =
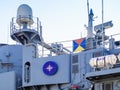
90	34
88	8
90	22
100	29
103	32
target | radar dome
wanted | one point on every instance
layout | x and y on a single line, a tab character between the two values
24	15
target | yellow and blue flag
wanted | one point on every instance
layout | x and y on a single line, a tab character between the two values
79	44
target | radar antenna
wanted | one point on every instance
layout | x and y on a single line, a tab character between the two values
24	29
27	29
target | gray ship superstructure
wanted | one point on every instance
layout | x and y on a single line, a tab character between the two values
55	67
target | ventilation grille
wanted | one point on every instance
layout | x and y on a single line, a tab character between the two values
74	59
75	66
75	69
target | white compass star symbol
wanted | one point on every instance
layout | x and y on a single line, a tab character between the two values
49	68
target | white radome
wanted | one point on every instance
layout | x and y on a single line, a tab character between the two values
24	15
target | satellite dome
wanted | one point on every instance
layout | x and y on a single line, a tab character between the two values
24	15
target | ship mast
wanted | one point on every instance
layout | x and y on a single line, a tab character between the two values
90	28
103	33
88	8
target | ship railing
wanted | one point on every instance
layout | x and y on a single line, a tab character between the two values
65	46
14	27
111	43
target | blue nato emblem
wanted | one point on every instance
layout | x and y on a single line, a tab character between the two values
50	68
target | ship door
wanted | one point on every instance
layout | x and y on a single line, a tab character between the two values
27	72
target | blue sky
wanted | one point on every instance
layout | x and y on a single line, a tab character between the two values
61	19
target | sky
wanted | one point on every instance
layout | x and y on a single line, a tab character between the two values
61	19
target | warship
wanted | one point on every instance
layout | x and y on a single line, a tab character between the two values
88	63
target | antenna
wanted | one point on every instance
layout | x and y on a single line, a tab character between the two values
103	33
100	29
88	8
90	28
24	15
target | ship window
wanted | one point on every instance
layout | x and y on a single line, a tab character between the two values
107	86
27	72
